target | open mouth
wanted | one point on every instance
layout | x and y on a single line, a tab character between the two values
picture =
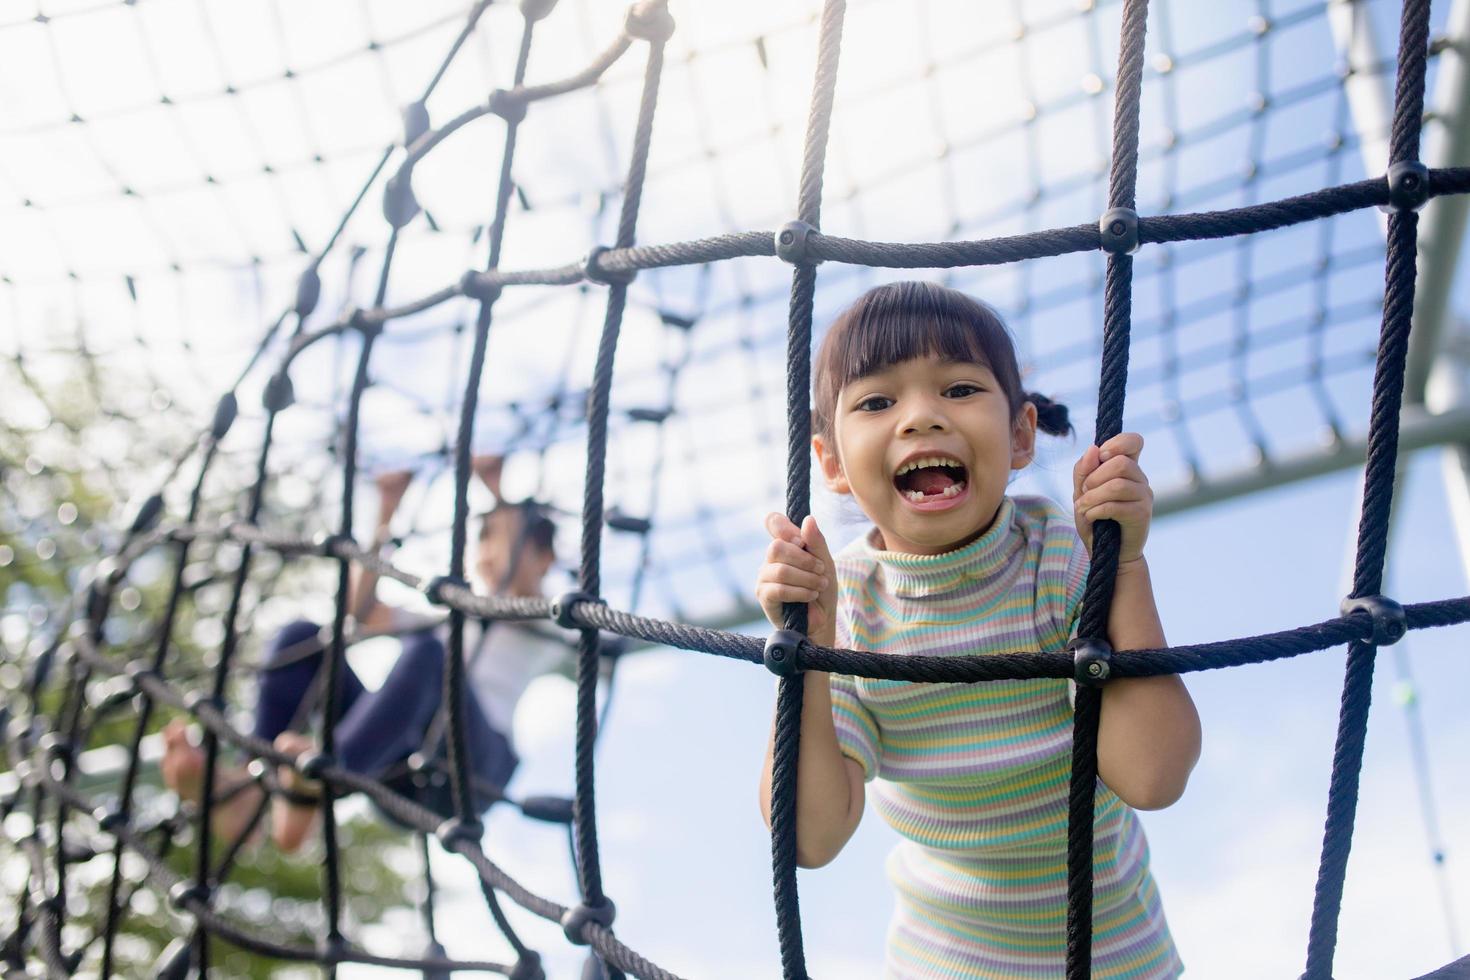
930	478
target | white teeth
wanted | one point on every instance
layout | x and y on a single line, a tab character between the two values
953	490
916	464
916	495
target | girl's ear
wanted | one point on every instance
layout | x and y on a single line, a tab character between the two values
1023	437
832	474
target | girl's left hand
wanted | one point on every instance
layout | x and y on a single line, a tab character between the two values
1107	483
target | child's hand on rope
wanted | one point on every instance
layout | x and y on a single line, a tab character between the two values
1107	483
799	568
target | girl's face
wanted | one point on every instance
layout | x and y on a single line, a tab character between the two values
499	535
926	447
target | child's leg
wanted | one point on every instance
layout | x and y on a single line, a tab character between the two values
290	667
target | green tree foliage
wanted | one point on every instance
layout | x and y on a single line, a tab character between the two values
71	465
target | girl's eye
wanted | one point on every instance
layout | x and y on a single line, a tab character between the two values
874	403
961	390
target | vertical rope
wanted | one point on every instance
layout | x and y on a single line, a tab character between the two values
1378	481
1106	539
589	579
787	747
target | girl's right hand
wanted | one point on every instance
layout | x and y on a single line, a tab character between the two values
799	568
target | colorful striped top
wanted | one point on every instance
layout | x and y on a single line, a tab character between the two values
974	776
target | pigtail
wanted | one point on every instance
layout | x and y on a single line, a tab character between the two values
1051	417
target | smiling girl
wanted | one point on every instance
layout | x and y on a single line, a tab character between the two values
920	417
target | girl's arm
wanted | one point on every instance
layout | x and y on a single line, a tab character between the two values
829	786
1148	736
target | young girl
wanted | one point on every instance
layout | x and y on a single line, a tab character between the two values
920	417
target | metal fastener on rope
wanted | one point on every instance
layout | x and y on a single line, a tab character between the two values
576	918
308	291
780	655
528	967
331	950
561	609
278	394
593	271
534	10
1117	230
791	241
399	204
1092	660
313	764
327	545
109	819
508	105
183	892
1389	621
415	122
1408	186
225	411
650	22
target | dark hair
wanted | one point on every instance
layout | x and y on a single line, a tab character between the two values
900	321
540	530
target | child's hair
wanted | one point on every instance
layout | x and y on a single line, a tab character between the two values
540	530
900	321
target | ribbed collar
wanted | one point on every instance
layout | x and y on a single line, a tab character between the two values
915	576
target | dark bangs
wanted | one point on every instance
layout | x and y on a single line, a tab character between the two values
901	321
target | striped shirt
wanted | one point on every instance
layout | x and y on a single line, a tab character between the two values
974	776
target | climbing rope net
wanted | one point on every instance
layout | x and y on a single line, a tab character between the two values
46	739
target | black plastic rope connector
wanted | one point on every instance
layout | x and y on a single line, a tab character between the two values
1117	231
508	105
547	809
619	521
331	949
56	747
365	322
456	829
781	651
1408	186
649	22
399	204
225	411
1390	624
314	764
561	609
279	393
183	892
434	591
576	918
593	271
472	286
534	10
528	967
1092	660
194	700
327	543
308	292
109	819
791	242
415	122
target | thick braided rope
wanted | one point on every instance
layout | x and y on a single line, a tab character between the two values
584	801
786	751
1378	481
1106	539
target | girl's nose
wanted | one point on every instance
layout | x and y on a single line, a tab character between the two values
923	416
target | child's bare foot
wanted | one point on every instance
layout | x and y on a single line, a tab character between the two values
182	768
291	821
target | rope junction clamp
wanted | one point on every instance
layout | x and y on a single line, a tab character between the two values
780	653
508	105
649	22
415	122
433	591
328	545
1092	660
561	609
1408	186
791	241
457	829
577	918
528	967
471	285
183	892
1389	620
1117	230
279	394
593	271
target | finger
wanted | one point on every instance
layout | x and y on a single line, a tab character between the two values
778	525
1122	444
1083	469
786	575
1119	467
1128	513
786	553
816	543
773	595
1120	491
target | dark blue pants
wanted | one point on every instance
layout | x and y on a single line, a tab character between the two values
377	730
